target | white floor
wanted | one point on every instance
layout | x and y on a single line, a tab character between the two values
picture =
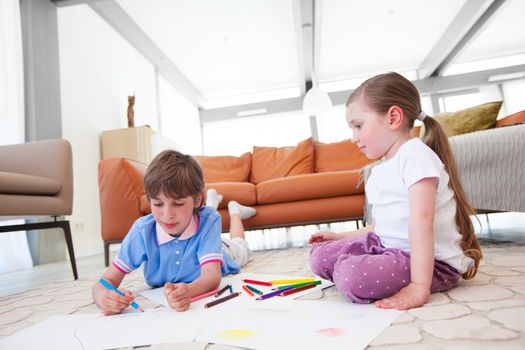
501	227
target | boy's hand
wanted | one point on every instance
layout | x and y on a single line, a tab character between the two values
177	295
113	303
411	296
323	236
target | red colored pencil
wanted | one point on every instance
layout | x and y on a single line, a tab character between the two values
296	290
250	293
261	283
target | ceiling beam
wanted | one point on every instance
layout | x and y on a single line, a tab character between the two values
316	43
471	18
473	31
303	64
65	3
123	24
425	86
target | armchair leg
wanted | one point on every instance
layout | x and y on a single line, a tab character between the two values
69	241
64	225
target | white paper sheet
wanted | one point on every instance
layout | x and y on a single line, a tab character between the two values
303	324
275	323
96	331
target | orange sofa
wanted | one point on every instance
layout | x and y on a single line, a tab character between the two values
311	182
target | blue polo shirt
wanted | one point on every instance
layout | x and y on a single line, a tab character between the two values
178	260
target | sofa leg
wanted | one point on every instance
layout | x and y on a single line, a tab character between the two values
106	253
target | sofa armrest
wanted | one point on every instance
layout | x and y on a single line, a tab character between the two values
121	187
490	165
51	159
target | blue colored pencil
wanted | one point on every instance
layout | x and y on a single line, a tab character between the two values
272	294
111	287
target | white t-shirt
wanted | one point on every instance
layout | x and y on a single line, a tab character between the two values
387	193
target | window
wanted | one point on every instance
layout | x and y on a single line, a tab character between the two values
239	135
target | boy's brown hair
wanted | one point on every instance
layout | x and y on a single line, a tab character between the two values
175	174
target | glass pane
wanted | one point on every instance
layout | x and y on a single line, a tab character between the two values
332	126
236	136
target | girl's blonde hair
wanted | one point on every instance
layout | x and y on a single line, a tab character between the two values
175	174
392	89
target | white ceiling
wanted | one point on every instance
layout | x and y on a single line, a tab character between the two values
233	52
504	34
226	47
367	37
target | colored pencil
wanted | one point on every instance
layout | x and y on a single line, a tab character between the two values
255	290
224	289
250	293
272	294
261	283
297	285
222	300
296	290
112	287
293	281
204	295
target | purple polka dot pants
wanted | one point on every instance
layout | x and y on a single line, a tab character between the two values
365	271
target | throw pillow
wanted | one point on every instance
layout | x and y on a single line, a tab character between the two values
273	162
226	168
336	156
516	118
470	119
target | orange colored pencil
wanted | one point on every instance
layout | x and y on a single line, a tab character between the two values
250	293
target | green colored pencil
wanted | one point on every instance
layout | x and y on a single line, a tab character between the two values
297	285
255	290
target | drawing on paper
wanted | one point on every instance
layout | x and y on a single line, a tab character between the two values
332	332
235	334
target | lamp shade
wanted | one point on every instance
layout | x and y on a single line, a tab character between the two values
316	101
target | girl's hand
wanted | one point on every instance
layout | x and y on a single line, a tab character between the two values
113	303
413	295
323	236
177	295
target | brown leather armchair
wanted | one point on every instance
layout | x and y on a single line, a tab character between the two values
122	198
36	179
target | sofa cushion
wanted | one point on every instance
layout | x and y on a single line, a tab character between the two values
242	192
342	155
309	186
470	119
16	183
516	118
226	168
275	162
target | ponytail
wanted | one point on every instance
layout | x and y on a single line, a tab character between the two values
435	137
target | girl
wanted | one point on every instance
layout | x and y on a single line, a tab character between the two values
422	239
179	243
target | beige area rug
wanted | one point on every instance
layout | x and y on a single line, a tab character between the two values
486	313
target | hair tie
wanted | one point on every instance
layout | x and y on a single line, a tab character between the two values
422	115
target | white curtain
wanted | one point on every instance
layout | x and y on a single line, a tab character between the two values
14	251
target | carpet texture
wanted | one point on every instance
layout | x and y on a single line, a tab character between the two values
485	313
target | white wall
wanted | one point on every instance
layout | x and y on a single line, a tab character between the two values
179	119
98	70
